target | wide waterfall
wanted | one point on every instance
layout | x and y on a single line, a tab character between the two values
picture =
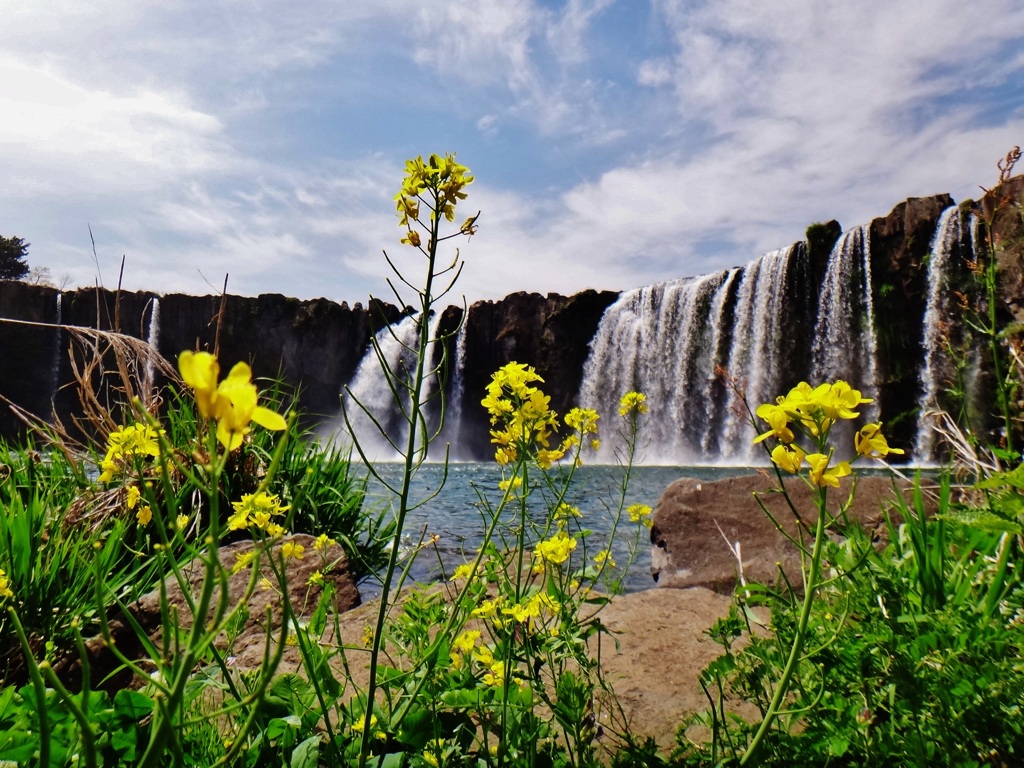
680	343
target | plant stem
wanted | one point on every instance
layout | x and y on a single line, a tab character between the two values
410	463
810	589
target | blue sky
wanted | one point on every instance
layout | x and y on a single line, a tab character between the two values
615	143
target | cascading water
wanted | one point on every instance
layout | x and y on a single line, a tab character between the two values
755	353
153	340
658	340
453	405
845	345
369	401
946	245
671	340
57	339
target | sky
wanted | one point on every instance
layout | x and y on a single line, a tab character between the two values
615	143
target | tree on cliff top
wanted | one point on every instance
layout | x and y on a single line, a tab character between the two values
13	251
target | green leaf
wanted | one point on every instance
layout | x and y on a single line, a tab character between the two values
132	705
307	754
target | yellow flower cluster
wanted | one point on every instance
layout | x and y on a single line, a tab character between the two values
813	411
632	402
232	402
553	551
522	421
441	176
640	513
127	444
5	585
257	509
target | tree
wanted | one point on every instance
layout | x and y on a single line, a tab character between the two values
13	251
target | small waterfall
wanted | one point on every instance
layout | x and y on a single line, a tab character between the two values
935	371
57	344
376	403
453	410
845	345
153	340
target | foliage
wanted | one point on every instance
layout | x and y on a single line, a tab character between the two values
13	251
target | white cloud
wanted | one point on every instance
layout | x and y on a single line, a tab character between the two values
180	131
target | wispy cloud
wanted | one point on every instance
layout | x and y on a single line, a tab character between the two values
616	143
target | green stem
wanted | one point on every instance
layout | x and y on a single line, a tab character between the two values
410	463
810	589
37	686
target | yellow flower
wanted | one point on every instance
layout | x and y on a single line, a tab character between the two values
778	419
127	444
495	674
513	483
232	402
323	541
316	579
290	549
466	641
788	458
200	371
604	557
360	724
633	402
144	515
132	496
242	560
236	407
255	509
583	420
464	571
554	550
638	512
820	474
412	238
5	585
487	609
274	530
564	511
181	522
871	443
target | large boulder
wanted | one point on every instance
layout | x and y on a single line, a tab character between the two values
696	523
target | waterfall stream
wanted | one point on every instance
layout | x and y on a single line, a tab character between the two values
369	401
935	371
845	346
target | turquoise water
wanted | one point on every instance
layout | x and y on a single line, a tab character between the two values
456	513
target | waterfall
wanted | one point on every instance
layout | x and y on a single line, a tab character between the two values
671	341
153	340
935	372
755	354
369	400
658	340
453	406
55	362
845	345
720	343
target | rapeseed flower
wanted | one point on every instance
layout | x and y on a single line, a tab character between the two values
232	402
